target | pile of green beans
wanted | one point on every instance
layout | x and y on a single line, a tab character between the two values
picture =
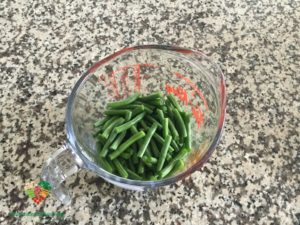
143	137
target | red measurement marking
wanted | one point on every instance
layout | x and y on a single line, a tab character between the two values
137	77
194	86
179	92
123	81
198	115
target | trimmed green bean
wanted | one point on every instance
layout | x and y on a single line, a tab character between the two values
118	141
106	165
160	115
169	157
151	97
149	159
153	177
131	165
101	122
123	102
161	141
181	154
117	112
179	165
108	122
188	138
180	123
165	126
164	152
105	148
120	168
126	144
135	159
137	110
173	130
108	130
144	125
165	171
154	148
130	123
172	99
146	105
157	102
141	167
127	154
171	168
146	140
152	120
175	145
133	175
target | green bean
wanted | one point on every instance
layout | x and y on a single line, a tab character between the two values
101	122
141	167
173	130
130	123
161	141
118	141
169	157
133	175
157	102
133	129
153	177
135	159
131	165
155	95
137	110
165	127
146	105
175	145
127	154
121	103
147	152
172	99
105	164
126	144
144	125
120	168
171	168
179	165
149	159
146	140
180	123
181	154
160	115
154	148
170	107
110	139
117	112
152	120
116	122
163	153
188	138
108	122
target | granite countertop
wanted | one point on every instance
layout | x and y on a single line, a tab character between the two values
254	175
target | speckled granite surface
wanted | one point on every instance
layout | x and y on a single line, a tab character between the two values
253	176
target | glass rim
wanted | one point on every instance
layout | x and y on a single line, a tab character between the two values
71	138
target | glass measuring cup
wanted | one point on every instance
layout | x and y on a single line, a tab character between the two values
197	83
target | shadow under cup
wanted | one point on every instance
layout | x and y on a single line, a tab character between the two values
197	83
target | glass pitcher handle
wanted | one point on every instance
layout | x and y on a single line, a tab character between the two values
63	163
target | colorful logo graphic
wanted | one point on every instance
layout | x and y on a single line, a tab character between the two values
37	192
